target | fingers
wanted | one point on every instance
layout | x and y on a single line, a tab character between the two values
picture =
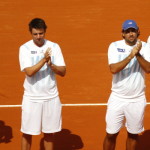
49	51
139	45
47	54
136	49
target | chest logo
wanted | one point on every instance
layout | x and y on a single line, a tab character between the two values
120	50
33	52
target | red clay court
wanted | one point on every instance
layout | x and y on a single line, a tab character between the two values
83	29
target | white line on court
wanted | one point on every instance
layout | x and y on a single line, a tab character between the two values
83	104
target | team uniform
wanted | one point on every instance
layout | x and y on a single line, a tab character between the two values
127	98
41	101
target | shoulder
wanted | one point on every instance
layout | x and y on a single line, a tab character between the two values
51	44
117	48
27	45
144	44
118	43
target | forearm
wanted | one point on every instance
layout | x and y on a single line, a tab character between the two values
30	71
59	70
117	67
143	63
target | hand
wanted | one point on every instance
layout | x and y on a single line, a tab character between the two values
136	49
139	45
47	54
49	62
134	52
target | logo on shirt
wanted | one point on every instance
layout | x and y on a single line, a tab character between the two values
41	51
33	52
120	50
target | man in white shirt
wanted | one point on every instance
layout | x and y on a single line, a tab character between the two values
128	59
40	59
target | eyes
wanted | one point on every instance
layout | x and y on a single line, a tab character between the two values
35	34
130	30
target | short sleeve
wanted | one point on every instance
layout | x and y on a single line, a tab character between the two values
58	58
24	58
112	54
146	52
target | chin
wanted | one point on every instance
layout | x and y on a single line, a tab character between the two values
39	43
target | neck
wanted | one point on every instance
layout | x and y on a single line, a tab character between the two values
39	43
131	43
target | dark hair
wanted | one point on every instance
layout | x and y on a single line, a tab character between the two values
37	23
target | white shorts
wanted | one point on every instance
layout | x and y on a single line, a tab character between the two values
130	113
40	116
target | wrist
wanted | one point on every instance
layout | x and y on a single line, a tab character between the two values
138	54
45	60
51	64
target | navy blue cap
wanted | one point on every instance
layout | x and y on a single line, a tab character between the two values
129	24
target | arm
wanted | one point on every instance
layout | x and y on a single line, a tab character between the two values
30	71
143	63
59	70
117	67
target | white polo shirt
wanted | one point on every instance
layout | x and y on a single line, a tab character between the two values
43	84
129	83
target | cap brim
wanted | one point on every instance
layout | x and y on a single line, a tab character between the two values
130	27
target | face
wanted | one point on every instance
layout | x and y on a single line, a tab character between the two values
130	35
38	36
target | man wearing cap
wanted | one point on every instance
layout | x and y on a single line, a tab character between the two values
128	61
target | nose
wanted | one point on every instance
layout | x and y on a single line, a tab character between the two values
38	35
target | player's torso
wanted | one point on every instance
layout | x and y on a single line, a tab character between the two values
131	78
44	80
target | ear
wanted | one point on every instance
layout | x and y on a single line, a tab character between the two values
122	34
138	33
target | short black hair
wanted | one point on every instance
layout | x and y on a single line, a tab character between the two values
37	23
